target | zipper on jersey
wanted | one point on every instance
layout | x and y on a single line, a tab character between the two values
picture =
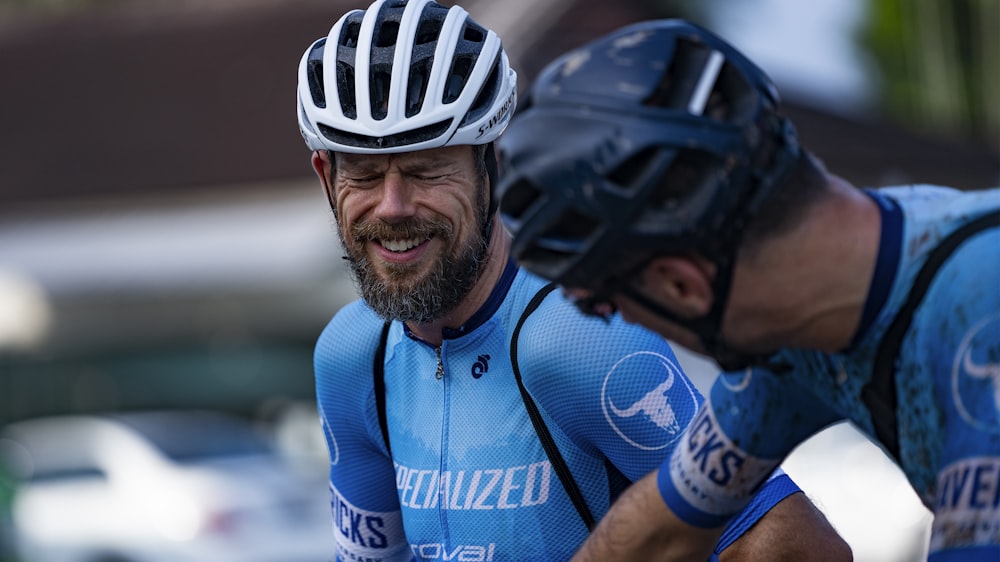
440	366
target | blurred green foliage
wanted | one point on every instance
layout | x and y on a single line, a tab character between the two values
940	63
938	60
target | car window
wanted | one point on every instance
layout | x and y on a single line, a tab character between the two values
192	437
53	474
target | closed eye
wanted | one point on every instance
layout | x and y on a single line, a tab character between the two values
362	180
429	178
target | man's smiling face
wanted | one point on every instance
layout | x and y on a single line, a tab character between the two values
411	224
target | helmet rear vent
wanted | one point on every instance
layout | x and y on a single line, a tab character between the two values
677	85
457	78
732	100
699	81
484	99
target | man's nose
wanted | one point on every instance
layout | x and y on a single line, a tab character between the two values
396	201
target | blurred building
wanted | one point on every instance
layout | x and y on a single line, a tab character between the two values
156	196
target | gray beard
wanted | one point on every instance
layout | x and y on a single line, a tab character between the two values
400	297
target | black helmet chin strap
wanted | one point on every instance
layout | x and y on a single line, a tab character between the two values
708	328
725	247
493	173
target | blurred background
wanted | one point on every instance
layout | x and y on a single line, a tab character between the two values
164	245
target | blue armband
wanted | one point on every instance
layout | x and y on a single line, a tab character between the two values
708	479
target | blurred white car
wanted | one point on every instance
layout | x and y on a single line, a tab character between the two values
169	486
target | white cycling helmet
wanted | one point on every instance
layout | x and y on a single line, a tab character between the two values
403	76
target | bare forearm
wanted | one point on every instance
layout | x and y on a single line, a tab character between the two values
641	527
793	530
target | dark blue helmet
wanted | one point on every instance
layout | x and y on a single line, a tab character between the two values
656	138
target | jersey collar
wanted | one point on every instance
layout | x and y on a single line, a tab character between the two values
492	304
890	245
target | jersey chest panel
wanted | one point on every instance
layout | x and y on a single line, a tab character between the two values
473	479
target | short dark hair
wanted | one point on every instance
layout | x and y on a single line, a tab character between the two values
789	204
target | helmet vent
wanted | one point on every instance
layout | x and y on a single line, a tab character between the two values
457	78
562	242
415	136
473	33
345	87
732	100
691	172
416	87
630	173
428	31
387	34
678	83
518	198
350	32
729	99
314	73
571	228
486	95
316	87
381	81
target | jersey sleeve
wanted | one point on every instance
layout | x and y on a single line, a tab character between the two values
778	487
615	389
367	521
619	392
751	422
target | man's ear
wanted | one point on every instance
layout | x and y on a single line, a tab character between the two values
323	166
682	283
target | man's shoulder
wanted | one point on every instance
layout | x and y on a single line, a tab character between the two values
558	339
353	330
938	203
558	319
950	229
356	313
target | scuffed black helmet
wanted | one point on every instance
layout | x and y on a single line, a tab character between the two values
658	137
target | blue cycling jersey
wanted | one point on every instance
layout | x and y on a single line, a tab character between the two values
468	478
947	376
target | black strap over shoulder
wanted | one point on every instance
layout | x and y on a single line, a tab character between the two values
379	373
548	443
879	394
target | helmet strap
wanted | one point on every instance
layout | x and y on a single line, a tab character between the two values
492	173
708	328
725	246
